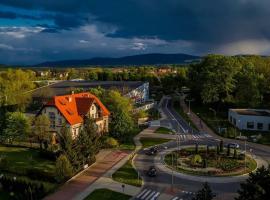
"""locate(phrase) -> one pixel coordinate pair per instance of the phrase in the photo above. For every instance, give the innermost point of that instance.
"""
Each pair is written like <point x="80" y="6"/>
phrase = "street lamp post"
<point x="189" y="100"/>
<point x="172" y="170"/>
<point x="245" y="155"/>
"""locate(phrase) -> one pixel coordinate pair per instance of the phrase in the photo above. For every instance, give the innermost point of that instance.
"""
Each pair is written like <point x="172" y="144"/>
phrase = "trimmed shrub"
<point x="111" y="142"/>
<point x="221" y="146"/>
<point x="196" y="159"/>
<point x="63" y="168"/>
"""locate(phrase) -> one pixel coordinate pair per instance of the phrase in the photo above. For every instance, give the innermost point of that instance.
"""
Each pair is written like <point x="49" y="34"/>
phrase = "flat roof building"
<point x="250" y="119"/>
<point x="136" y="90"/>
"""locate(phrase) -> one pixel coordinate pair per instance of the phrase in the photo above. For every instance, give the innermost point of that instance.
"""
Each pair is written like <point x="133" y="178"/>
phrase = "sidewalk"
<point x="106" y="160"/>
<point x="106" y="181"/>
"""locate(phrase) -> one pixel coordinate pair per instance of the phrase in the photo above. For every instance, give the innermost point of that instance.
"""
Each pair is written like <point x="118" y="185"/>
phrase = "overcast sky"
<point x="33" y="31"/>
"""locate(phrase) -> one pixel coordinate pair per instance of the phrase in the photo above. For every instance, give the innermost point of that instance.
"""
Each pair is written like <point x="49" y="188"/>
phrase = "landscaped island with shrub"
<point x="210" y="161"/>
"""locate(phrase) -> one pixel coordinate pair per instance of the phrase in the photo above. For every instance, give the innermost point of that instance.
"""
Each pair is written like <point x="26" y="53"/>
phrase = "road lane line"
<point x="173" y="116"/>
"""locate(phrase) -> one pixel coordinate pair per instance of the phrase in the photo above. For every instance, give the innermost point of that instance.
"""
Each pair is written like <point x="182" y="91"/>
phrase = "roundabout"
<point x="204" y="165"/>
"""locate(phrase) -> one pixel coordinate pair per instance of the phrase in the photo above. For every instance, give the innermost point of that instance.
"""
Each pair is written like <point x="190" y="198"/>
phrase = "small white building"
<point x="250" y="119"/>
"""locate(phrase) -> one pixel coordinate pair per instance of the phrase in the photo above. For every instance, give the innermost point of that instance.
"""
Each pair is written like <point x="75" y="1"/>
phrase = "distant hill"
<point x="143" y="59"/>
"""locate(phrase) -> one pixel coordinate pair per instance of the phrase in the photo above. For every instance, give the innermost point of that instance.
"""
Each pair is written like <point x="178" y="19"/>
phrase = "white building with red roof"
<point x="72" y="110"/>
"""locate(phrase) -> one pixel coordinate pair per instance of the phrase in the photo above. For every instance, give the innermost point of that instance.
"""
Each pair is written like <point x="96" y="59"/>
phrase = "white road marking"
<point x="155" y="197"/>
<point x="175" y="198"/>
<point x="150" y="195"/>
<point x="138" y="196"/>
<point x="173" y="116"/>
<point x="146" y="194"/>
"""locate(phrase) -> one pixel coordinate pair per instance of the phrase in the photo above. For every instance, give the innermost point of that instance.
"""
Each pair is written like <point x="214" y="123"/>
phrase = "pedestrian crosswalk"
<point x="151" y="194"/>
<point x="184" y="137"/>
<point x="148" y="194"/>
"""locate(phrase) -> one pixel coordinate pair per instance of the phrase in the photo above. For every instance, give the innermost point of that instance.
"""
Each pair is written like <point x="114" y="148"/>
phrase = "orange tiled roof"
<point x="75" y="106"/>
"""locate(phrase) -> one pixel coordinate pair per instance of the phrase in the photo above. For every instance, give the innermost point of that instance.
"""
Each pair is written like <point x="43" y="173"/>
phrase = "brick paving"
<point x="105" y="161"/>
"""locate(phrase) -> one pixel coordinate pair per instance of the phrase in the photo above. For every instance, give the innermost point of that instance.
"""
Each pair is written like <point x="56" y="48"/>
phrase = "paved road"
<point x="180" y="188"/>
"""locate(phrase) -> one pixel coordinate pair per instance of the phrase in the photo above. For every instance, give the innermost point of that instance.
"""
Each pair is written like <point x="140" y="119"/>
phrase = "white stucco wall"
<point x="240" y="121"/>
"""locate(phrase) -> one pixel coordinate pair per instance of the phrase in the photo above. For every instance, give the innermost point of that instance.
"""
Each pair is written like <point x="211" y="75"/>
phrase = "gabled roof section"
<point x="75" y="106"/>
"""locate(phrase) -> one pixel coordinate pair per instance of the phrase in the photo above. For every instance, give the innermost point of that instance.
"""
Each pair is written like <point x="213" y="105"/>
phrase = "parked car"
<point x="234" y="145"/>
<point x="152" y="172"/>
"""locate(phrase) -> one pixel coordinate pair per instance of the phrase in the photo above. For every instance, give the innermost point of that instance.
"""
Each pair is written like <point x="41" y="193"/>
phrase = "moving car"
<point x="151" y="151"/>
<point x="152" y="172"/>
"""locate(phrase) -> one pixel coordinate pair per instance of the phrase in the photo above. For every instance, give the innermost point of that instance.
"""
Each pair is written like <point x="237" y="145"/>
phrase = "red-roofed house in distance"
<point x="72" y="110"/>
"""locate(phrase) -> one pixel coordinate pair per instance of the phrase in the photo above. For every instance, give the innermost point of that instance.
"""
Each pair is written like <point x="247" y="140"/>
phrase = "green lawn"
<point x="148" y="142"/>
<point x="4" y="196"/>
<point x="127" y="174"/>
<point x="163" y="130"/>
<point x="105" y="194"/>
<point x="20" y="159"/>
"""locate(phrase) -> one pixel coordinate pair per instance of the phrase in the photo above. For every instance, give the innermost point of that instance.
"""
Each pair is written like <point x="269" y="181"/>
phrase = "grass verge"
<point x="106" y="194"/>
<point x="128" y="175"/>
<point x="148" y="142"/>
<point x="163" y="130"/>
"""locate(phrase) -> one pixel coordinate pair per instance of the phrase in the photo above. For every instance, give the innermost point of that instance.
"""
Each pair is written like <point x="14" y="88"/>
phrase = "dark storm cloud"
<point x="60" y="29"/>
<point x="203" y="21"/>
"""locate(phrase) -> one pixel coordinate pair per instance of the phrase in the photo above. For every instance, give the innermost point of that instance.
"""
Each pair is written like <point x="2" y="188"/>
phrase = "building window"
<point x="60" y="121"/>
<point x="259" y="126"/>
<point x="52" y="119"/>
<point x="250" y="125"/>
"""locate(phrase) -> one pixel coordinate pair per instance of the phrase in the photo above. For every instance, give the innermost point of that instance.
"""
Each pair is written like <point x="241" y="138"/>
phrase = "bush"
<point x="48" y="155"/>
<point x="63" y="168"/>
<point x="3" y="162"/>
<point x="22" y="188"/>
<point x="111" y="142"/>
<point x="196" y="159"/>
<point x="37" y="174"/>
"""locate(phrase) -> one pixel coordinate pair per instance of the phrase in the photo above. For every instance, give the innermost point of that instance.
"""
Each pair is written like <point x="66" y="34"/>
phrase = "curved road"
<point x="181" y="188"/>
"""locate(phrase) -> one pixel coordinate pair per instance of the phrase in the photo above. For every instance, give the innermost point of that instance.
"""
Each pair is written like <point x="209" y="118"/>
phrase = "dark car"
<point x="152" y="172"/>
<point x="151" y="151"/>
